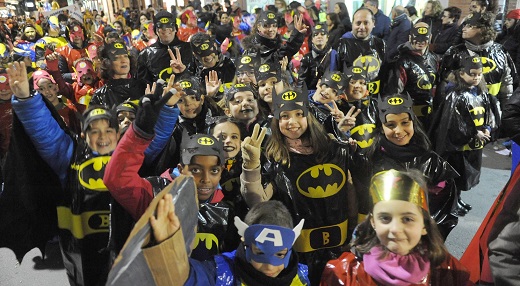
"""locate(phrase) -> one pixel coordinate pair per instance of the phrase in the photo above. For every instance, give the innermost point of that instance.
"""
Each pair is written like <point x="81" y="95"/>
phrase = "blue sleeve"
<point x="53" y="144"/>
<point x="163" y="131"/>
<point x="202" y="273"/>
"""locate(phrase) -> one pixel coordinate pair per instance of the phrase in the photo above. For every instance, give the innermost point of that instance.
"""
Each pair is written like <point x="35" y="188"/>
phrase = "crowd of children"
<point x="278" y="124"/>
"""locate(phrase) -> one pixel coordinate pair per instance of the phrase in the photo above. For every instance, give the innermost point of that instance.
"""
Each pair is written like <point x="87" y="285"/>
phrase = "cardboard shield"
<point x="130" y="267"/>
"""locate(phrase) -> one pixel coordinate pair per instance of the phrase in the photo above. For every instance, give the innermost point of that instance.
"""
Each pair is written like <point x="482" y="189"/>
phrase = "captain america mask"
<point x="269" y="240"/>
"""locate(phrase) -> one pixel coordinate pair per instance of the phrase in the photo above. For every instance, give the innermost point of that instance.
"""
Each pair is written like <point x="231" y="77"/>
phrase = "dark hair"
<point x="224" y="119"/>
<point x="278" y="151"/>
<point x="487" y="32"/>
<point x="107" y="71"/>
<point x="488" y="4"/>
<point x="269" y="212"/>
<point x="411" y="10"/>
<point x="199" y="38"/>
<point x="461" y="85"/>
<point x="24" y="37"/>
<point x="364" y="9"/>
<point x="343" y="11"/>
<point x="334" y="18"/>
<point x="454" y="13"/>
<point x="419" y="137"/>
<point x="62" y="17"/>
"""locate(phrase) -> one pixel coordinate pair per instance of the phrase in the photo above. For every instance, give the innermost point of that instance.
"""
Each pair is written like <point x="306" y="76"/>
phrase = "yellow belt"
<point x="321" y="237"/>
<point x="418" y="110"/>
<point x="494" y="88"/>
<point x="81" y="225"/>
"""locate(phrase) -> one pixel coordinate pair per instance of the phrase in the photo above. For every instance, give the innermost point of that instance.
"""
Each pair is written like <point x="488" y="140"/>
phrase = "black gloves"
<point x="149" y="110"/>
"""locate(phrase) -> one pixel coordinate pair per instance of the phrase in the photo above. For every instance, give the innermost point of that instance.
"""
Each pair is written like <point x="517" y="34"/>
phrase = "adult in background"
<point x="510" y="36"/>
<point x="153" y="62"/>
<point x="335" y="28"/>
<point x="412" y="14"/>
<point x="432" y="15"/>
<point x="499" y="69"/>
<point x="382" y="22"/>
<point x="398" y="32"/>
<point x="475" y="6"/>
<point x="341" y="10"/>
<point x="362" y="49"/>
<point x="441" y="41"/>
<point x="414" y="72"/>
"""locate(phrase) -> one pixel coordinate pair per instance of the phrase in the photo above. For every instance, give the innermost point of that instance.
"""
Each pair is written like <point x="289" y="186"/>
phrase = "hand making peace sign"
<point x="345" y="122"/>
<point x="176" y="61"/>
<point x="252" y="147"/>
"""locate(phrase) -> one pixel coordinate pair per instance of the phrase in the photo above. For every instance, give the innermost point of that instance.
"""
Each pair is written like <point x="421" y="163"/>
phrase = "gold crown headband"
<point x="395" y="185"/>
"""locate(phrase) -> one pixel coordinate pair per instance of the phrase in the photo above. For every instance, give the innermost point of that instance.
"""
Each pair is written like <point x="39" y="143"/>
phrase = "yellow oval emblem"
<point x="2" y="79"/>
<point x="357" y="70"/>
<point x="118" y="45"/>
<point x="311" y="184"/>
<point x="185" y="84"/>
<point x="240" y="85"/>
<point x="76" y="28"/>
<point x="271" y="16"/>
<point x="206" y="141"/>
<point x="289" y="95"/>
<point x="264" y="68"/>
<point x="204" y="47"/>
<point x="336" y="77"/>
<point x="395" y="101"/>
<point x="422" y="30"/>
<point x="82" y="64"/>
<point x="164" y="20"/>
<point x="97" y="111"/>
<point x="246" y="60"/>
<point x="127" y="105"/>
<point x="476" y="60"/>
<point x="317" y="27"/>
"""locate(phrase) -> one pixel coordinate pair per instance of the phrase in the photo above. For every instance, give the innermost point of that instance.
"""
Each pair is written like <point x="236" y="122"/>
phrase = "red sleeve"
<point x="65" y="88"/>
<point x="346" y="270"/>
<point x="121" y="174"/>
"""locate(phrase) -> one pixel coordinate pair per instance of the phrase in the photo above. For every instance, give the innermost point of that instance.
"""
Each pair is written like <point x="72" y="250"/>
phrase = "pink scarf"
<point x="395" y="269"/>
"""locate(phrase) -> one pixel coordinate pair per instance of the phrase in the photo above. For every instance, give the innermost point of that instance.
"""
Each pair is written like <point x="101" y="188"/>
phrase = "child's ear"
<point x="424" y="231"/>
<point x="372" y="222"/>
<point x="82" y="135"/>
<point x="227" y="112"/>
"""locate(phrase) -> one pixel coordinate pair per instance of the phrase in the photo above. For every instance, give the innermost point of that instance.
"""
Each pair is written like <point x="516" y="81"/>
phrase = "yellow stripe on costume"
<point x="83" y="224"/>
<point x="494" y="88"/>
<point x="321" y="237"/>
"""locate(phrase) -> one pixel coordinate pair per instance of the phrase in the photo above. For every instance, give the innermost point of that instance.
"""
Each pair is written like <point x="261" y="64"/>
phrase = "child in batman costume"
<point x="400" y="143"/>
<point x="308" y="172"/>
<point x="228" y="131"/>
<point x="398" y="243"/>
<point x="201" y="155"/>
<point x="264" y="257"/>
<point x="463" y="124"/>
<point x="83" y="207"/>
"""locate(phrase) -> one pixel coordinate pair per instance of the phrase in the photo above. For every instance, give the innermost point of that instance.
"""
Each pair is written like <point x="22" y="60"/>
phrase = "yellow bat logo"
<point x="118" y="45"/>
<point x="422" y="30"/>
<point x="271" y="16"/>
<point x="395" y="101"/>
<point x="164" y="20"/>
<point x="336" y="77"/>
<point x="246" y="60"/>
<point x="264" y="68"/>
<point x="363" y="134"/>
<point x="357" y="70"/>
<point x="206" y="141"/>
<point x="97" y="111"/>
<point x="185" y="84"/>
<point x="289" y="95"/>
<point x="240" y="85"/>
<point x="369" y="63"/>
<point x="330" y="173"/>
<point x="90" y="173"/>
<point x="208" y="238"/>
<point x="488" y="65"/>
<point x="204" y="47"/>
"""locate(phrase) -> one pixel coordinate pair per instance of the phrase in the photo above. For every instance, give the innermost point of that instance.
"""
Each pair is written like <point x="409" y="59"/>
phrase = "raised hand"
<point x="151" y="105"/>
<point x="165" y="223"/>
<point x="176" y="61"/>
<point x="283" y="63"/>
<point x="51" y="58"/>
<point x="299" y="25"/>
<point x="349" y="120"/>
<point x="252" y="147"/>
<point x="18" y="79"/>
<point x="170" y="87"/>
<point x="212" y="83"/>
